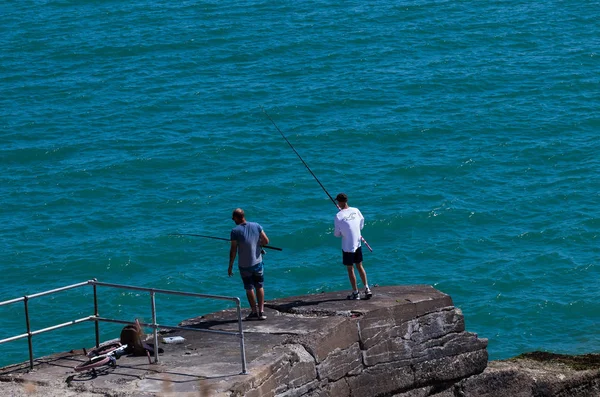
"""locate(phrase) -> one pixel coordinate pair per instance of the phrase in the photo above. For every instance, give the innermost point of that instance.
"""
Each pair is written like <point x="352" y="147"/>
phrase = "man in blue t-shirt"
<point x="247" y="239"/>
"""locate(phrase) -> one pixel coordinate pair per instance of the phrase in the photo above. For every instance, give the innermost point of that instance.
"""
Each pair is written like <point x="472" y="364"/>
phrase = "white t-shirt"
<point x="347" y="224"/>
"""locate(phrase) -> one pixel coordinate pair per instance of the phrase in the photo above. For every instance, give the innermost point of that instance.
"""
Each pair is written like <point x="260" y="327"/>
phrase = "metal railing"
<point x="97" y="319"/>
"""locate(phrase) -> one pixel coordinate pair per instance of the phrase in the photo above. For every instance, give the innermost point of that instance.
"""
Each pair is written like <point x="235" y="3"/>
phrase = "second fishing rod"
<point x="309" y="170"/>
<point x="218" y="238"/>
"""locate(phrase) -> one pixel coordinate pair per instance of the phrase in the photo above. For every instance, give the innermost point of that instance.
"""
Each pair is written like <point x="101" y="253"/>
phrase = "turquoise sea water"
<point x="466" y="132"/>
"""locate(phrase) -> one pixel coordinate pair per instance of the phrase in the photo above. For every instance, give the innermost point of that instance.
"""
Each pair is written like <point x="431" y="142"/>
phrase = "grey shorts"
<point x="252" y="276"/>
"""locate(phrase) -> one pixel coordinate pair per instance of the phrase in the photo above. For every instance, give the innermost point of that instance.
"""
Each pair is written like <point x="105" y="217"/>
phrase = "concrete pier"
<point x="404" y="338"/>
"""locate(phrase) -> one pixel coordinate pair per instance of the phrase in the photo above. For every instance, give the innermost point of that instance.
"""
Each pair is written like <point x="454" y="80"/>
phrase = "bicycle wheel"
<point x="104" y="349"/>
<point x="93" y="362"/>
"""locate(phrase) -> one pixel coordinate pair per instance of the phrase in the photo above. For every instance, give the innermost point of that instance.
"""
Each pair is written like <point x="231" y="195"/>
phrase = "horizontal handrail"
<point x="164" y="291"/>
<point x="52" y="328"/>
<point x="52" y="291"/>
<point x="63" y="325"/>
<point x="8" y="302"/>
<point x="12" y="338"/>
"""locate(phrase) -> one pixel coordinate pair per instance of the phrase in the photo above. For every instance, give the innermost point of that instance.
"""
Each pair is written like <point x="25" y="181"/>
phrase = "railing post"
<point x="242" y="345"/>
<point x="154" y="325"/>
<point x="96" y="324"/>
<point x="29" y="336"/>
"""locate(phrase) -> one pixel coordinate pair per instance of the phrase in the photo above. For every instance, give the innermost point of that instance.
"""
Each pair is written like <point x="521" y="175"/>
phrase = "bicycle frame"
<point x="98" y="360"/>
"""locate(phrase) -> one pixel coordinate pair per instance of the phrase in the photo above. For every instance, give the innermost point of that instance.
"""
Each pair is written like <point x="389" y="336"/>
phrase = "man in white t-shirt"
<point x="347" y="224"/>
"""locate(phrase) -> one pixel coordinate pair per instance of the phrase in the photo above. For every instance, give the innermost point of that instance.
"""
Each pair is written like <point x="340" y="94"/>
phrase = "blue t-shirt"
<point x="247" y="236"/>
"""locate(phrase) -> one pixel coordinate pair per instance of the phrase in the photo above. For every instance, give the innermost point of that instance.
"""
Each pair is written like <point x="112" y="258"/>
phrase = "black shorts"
<point x="350" y="258"/>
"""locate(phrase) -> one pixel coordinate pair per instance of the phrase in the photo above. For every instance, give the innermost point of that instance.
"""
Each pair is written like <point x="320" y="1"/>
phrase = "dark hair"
<point x="342" y="197"/>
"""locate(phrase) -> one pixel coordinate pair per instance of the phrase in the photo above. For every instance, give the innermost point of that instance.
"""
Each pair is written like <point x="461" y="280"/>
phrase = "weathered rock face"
<point x="534" y="374"/>
<point x="402" y="339"/>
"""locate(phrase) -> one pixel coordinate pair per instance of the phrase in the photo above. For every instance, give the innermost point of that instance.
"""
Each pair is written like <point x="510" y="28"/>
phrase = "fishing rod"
<point x="219" y="238"/>
<point x="312" y="173"/>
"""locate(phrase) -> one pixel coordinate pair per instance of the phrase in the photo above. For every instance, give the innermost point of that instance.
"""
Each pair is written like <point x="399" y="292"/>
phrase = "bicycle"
<point x="102" y="355"/>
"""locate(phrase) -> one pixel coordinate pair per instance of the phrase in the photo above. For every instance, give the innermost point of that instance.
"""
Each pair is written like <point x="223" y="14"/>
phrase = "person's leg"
<point x="260" y="296"/>
<point x="352" y="277"/>
<point x="362" y="274"/>
<point x="251" y="299"/>
<point x="363" y="277"/>
<point x="347" y="260"/>
<point x="247" y="278"/>
<point x="258" y="282"/>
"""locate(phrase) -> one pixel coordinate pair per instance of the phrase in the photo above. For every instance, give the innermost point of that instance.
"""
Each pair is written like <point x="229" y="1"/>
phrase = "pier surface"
<point x="320" y="344"/>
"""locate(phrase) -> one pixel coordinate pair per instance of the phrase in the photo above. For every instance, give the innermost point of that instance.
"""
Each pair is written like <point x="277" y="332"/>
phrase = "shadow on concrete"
<point x="288" y="306"/>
